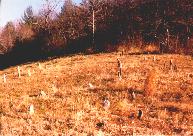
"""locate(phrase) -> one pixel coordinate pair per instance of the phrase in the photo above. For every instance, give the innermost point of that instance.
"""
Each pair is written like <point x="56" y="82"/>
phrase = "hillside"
<point x="68" y="95"/>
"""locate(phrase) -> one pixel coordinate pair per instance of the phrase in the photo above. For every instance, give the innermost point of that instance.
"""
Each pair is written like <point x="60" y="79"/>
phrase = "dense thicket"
<point x="100" y="25"/>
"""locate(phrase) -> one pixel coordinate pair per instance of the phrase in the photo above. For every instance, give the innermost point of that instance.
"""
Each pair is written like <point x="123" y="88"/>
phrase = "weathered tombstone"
<point x="154" y="58"/>
<point x="91" y="86"/>
<point x="39" y="65"/>
<point x="140" y="114"/>
<point x="4" y="78"/>
<point x="145" y="58"/>
<point x="133" y="95"/>
<point x="31" y="109"/>
<point x="18" y="70"/>
<point x="42" y="93"/>
<point x="29" y="72"/>
<point x="119" y="69"/>
<point x="106" y="103"/>
<point x="172" y="65"/>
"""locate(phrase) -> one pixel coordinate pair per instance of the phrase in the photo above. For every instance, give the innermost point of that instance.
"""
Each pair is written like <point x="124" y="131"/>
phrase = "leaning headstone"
<point x="91" y="86"/>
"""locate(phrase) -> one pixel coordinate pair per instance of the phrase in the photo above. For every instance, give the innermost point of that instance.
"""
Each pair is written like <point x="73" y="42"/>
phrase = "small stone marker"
<point x="42" y="93"/>
<point x="91" y="86"/>
<point x="4" y="78"/>
<point x="39" y="65"/>
<point x="119" y="69"/>
<point x="29" y="72"/>
<point x="31" y="109"/>
<point x="173" y="66"/>
<point x="18" y="70"/>
<point x="154" y="58"/>
<point x="140" y="114"/>
<point x="106" y="103"/>
<point x="133" y="95"/>
<point x="145" y="58"/>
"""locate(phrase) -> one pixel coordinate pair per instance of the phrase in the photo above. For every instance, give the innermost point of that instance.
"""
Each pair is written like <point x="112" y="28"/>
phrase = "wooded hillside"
<point x="157" y="26"/>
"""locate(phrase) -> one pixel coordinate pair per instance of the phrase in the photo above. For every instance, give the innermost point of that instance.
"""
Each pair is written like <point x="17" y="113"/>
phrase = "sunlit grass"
<point x="70" y="106"/>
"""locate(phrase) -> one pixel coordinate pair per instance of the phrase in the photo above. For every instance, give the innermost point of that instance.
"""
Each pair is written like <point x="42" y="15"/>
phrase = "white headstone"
<point x="18" y="70"/>
<point x="31" y="109"/>
<point x="39" y="65"/>
<point x="106" y="104"/>
<point x="42" y="93"/>
<point x="91" y="86"/>
<point x="29" y="72"/>
<point x="4" y="78"/>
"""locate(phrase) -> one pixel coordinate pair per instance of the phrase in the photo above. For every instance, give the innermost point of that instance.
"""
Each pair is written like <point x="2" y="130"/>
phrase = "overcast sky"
<point x="12" y="10"/>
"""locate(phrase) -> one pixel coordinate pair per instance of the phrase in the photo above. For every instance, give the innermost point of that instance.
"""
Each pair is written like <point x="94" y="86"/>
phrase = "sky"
<point x="13" y="10"/>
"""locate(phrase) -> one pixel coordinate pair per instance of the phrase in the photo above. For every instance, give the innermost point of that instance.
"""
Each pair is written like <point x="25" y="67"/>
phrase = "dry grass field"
<point x="83" y="95"/>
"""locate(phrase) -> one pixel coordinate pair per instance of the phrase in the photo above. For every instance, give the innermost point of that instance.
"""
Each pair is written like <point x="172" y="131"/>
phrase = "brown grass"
<point x="71" y="107"/>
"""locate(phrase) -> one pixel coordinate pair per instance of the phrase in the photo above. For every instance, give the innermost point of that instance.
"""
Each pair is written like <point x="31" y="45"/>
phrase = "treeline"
<point x="163" y="26"/>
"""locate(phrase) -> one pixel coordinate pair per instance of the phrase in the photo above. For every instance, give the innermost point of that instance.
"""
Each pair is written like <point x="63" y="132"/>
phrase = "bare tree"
<point x="8" y="37"/>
